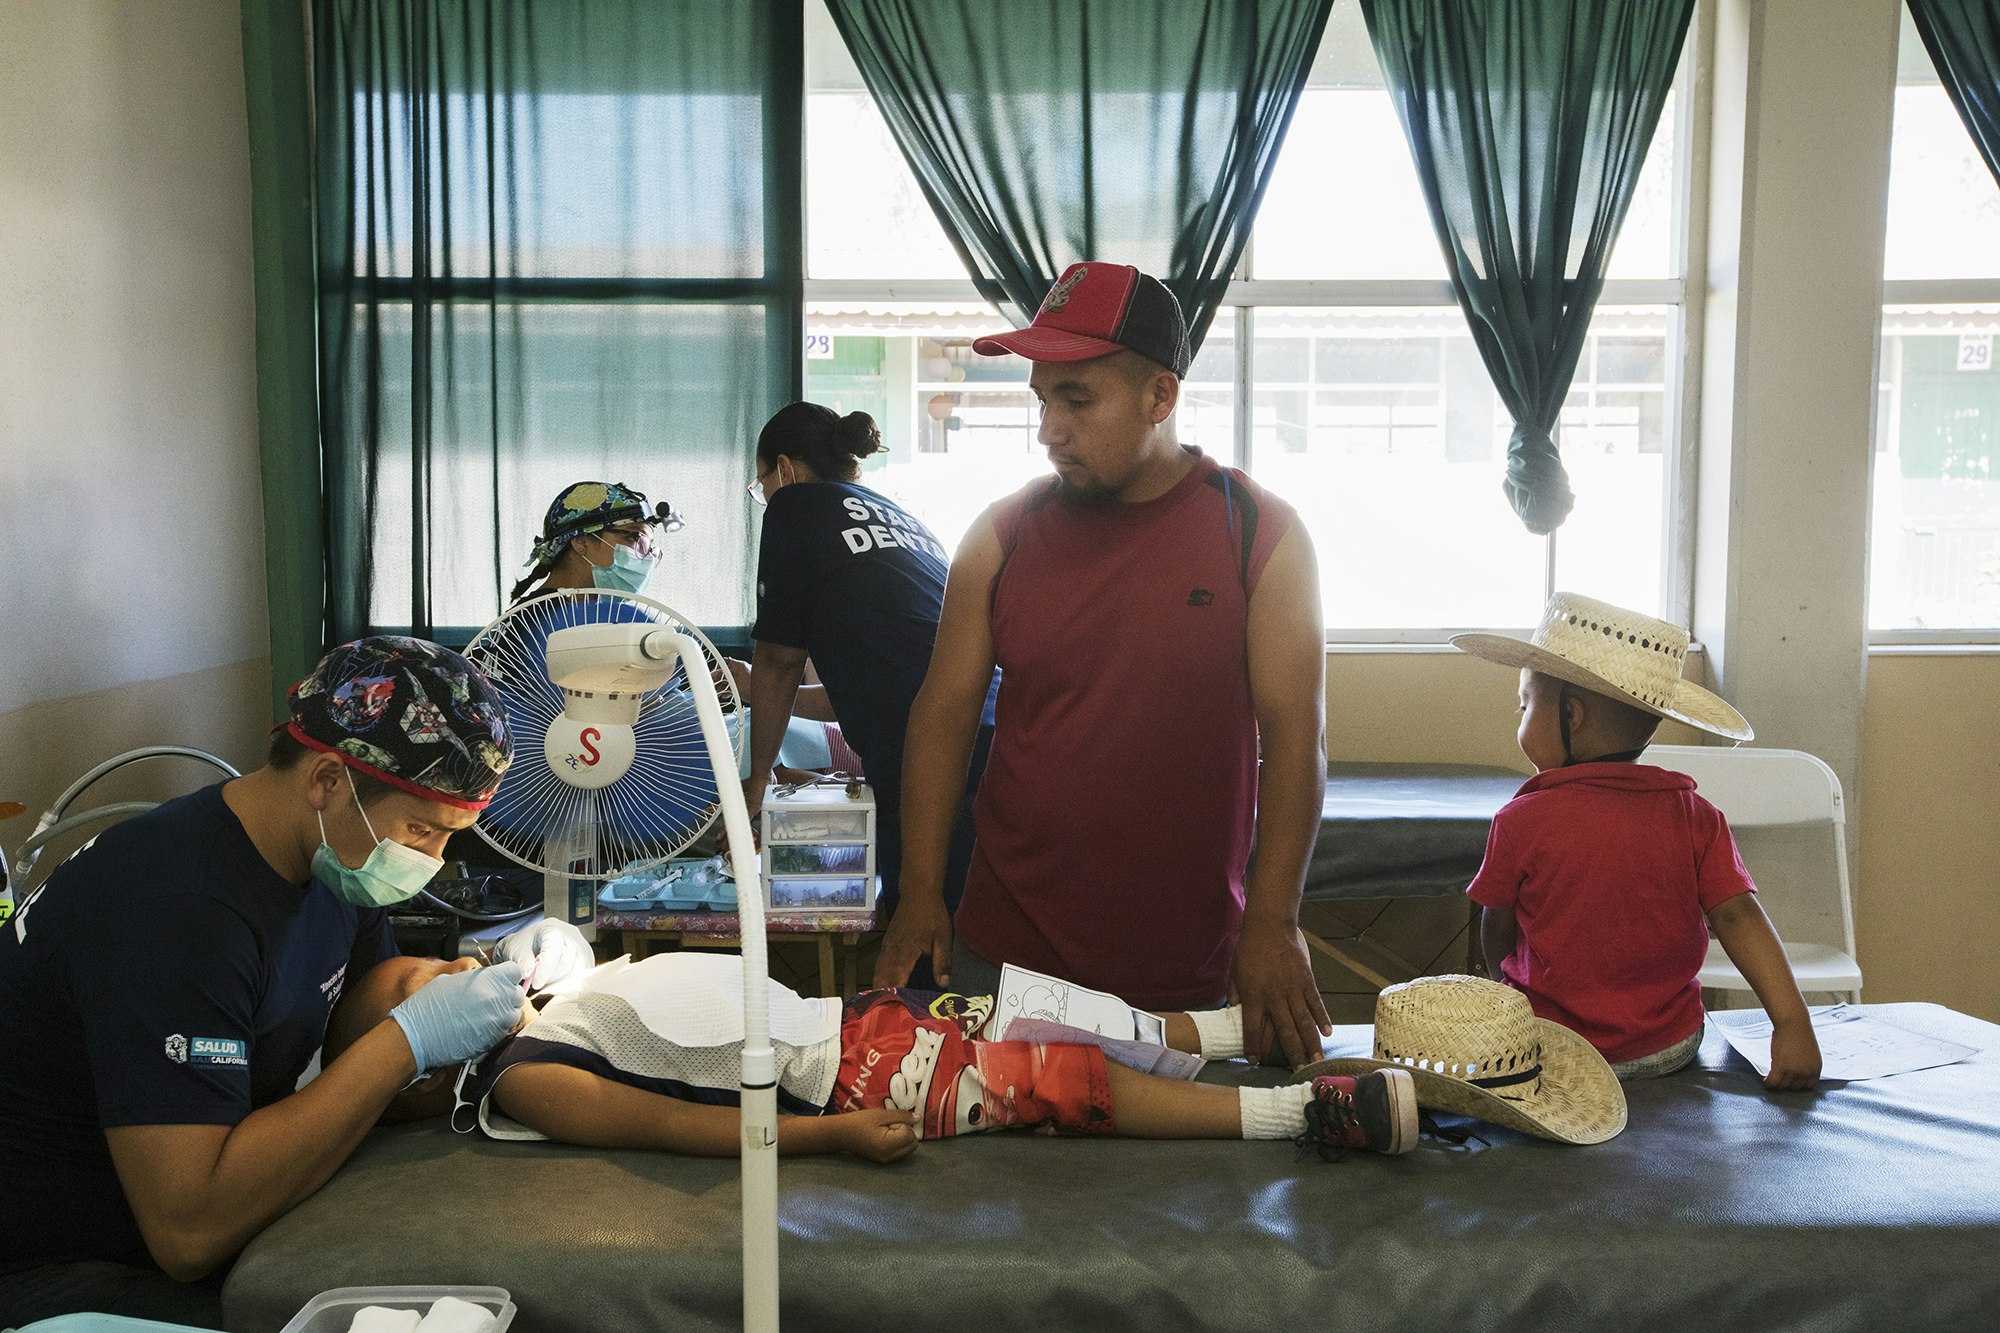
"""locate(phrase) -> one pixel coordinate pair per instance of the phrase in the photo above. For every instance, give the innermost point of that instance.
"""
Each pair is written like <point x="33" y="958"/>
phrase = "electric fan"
<point x="622" y="758"/>
<point x="623" y="778"/>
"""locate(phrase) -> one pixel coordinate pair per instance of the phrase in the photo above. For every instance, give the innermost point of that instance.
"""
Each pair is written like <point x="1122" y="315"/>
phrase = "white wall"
<point x="131" y="522"/>
<point x="1799" y="176"/>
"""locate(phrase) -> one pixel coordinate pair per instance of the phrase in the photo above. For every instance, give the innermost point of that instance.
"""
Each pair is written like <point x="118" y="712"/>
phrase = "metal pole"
<point x="759" y="1082"/>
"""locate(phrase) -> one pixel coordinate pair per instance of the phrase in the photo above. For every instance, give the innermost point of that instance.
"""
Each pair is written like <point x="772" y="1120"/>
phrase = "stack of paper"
<point x="1852" y="1044"/>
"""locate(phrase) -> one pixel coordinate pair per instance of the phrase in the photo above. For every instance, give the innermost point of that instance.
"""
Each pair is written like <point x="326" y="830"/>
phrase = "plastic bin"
<point x="105" y="1323"/>
<point x="810" y="825"/>
<point x="819" y="858"/>
<point x="822" y="893"/>
<point x="332" y="1311"/>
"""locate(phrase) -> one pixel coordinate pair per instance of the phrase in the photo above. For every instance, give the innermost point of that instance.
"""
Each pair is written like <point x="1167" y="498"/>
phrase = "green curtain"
<point x="277" y="84"/>
<point x="1963" y="37"/>
<point x="1529" y="121"/>
<point x="1048" y="131"/>
<point x="558" y="240"/>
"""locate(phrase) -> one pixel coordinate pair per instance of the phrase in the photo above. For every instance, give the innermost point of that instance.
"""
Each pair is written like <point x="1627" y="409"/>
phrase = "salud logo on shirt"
<point x="219" y="1051"/>
<point x="177" y="1049"/>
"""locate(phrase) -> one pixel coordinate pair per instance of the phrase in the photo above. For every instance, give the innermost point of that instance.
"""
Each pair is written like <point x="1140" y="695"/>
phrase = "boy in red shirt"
<point x="1604" y="877"/>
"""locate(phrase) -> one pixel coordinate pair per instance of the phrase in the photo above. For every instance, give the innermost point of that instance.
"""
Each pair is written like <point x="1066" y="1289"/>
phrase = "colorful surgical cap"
<point x="592" y="506"/>
<point x="419" y="717"/>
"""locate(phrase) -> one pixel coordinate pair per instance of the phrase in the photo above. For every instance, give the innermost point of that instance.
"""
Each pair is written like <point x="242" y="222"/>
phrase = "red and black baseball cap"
<point x="1096" y="309"/>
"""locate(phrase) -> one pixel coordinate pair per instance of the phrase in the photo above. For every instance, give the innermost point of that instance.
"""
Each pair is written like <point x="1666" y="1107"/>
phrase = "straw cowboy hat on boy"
<point x="1613" y="652"/>
<point x="1474" y="1047"/>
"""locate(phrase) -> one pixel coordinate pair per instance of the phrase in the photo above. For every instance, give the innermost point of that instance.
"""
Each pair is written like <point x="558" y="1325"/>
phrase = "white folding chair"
<point x="1785" y="809"/>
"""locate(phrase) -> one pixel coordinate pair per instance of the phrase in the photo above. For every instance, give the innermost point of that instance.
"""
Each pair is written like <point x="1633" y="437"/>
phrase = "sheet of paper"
<point x="1853" y="1044"/>
<point x="1027" y="994"/>
<point x="1139" y="1055"/>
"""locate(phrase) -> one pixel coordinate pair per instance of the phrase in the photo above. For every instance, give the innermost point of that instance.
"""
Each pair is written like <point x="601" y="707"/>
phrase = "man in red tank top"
<point x="1156" y="619"/>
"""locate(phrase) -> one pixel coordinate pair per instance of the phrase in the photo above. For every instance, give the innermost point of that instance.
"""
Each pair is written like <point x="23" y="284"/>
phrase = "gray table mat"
<point x="1867" y="1206"/>
<point x="1404" y="830"/>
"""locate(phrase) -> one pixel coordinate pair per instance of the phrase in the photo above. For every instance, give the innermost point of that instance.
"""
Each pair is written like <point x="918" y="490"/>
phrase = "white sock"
<point x="1220" y="1032"/>
<point x="1274" y="1113"/>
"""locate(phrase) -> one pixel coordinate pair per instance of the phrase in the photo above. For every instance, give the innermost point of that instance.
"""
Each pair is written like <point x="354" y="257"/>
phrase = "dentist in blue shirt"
<point x="163" y="997"/>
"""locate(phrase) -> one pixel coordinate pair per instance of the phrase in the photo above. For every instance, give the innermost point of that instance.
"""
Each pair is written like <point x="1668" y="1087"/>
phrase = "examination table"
<point x="1869" y="1205"/>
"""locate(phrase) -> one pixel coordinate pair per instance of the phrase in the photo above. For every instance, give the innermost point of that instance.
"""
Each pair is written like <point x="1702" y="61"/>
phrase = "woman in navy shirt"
<point x="850" y="580"/>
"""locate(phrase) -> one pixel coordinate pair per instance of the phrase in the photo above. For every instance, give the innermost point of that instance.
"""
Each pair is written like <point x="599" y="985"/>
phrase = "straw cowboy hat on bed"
<point x="1474" y="1047"/>
<point x="1615" y="652"/>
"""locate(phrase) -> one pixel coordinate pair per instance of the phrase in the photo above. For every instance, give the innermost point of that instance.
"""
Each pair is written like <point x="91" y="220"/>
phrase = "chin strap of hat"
<point x="1562" y="720"/>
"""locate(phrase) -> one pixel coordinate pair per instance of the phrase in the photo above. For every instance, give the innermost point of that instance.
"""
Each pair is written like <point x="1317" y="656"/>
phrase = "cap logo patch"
<point x="1058" y="296"/>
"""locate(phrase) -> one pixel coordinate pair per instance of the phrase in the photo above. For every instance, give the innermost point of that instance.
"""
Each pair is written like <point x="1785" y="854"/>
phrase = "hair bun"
<point x="858" y="434"/>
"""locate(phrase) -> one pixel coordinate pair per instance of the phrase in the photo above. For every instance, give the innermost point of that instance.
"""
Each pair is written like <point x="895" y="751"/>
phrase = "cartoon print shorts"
<point x="914" y="1050"/>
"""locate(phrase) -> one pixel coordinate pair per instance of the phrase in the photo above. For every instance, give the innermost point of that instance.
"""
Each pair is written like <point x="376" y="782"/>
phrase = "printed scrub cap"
<point x="419" y="717"/>
<point x="591" y="506"/>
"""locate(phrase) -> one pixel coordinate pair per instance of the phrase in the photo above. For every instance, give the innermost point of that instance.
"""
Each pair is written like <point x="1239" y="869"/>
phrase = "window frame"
<point x="1919" y="292"/>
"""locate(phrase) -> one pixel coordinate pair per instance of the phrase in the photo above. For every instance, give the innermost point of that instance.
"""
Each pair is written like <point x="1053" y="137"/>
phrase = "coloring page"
<point x="1852" y="1044"/>
<point x="1027" y="994"/>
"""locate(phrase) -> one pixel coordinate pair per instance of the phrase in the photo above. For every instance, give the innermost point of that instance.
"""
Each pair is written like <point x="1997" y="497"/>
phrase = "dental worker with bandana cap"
<point x="597" y="534"/>
<point x="163" y="996"/>
<point x="604" y="534"/>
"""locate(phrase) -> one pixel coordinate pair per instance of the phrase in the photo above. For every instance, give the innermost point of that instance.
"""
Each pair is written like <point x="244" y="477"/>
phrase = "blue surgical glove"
<point x="461" y="1015"/>
<point x="552" y="952"/>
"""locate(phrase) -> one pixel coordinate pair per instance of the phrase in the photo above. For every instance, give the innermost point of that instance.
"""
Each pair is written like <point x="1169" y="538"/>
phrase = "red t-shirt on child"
<point x="1610" y="868"/>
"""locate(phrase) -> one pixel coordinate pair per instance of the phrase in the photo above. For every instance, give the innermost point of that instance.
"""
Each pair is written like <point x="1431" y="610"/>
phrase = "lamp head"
<point x="604" y="672"/>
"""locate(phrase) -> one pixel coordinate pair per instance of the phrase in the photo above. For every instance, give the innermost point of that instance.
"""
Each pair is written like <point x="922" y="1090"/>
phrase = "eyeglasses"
<point x="756" y="488"/>
<point x="639" y="540"/>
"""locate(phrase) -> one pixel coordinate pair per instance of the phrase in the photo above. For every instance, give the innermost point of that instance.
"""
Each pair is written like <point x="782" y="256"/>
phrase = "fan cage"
<point x="651" y="814"/>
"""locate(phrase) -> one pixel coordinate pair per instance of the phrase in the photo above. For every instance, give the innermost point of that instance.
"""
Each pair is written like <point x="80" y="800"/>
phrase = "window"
<point x="546" y="254"/>
<point x="1934" y="549"/>
<point x="1368" y="408"/>
<point x="1382" y="427"/>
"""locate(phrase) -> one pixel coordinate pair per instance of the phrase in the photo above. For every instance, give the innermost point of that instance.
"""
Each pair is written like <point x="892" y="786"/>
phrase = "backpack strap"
<point x="1240" y="516"/>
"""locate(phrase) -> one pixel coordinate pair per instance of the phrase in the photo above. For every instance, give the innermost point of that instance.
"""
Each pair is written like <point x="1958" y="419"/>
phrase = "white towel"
<point x="452" y="1315"/>
<point x="381" y="1319"/>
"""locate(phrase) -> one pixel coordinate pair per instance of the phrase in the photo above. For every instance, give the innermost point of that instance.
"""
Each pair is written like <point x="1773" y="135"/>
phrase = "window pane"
<point x="1345" y="145"/>
<point x="1934" y="554"/>
<point x="1614" y="442"/>
<point x="960" y="428"/>
<point x="586" y="214"/>
<point x="573" y="392"/>
<point x="1344" y="202"/>
<point x="1645" y="245"/>
<point x="1944" y="209"/>
<point x="1382" y="428"/>
<point x="865" y="215"/>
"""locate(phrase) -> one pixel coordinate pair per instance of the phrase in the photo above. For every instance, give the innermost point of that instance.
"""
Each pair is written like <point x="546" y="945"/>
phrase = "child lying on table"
<point x="649" y="1055"/>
